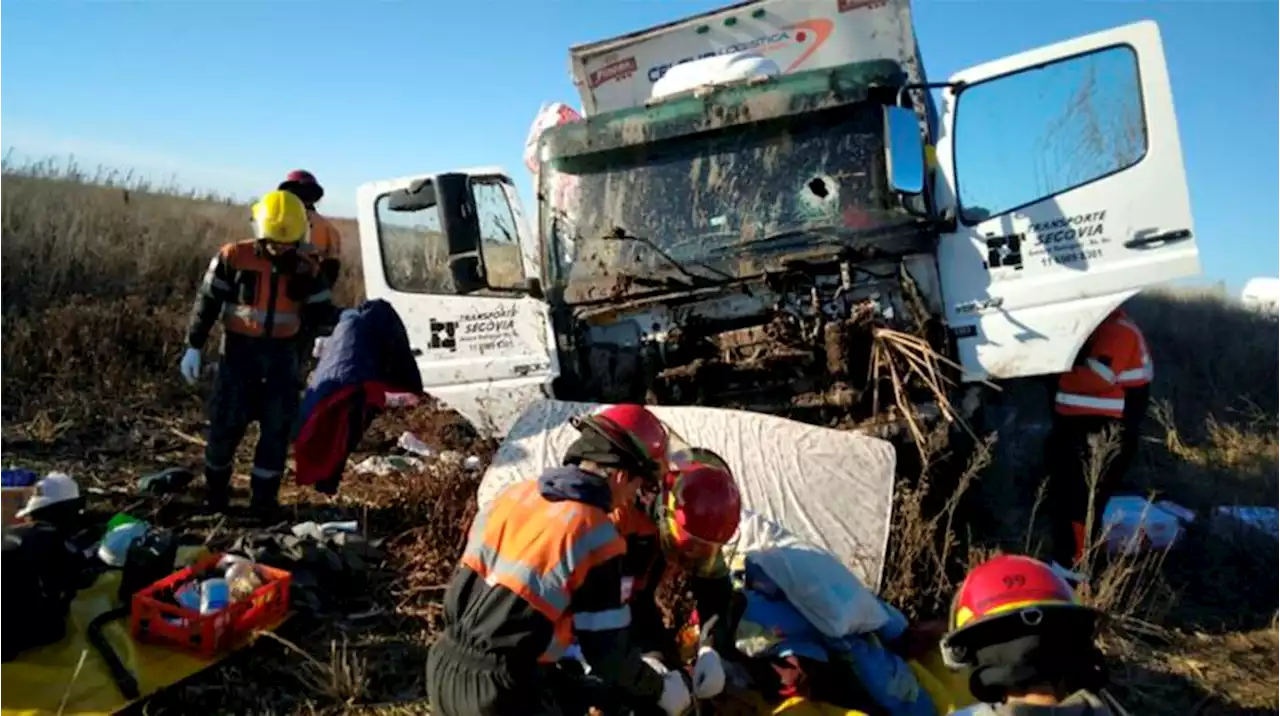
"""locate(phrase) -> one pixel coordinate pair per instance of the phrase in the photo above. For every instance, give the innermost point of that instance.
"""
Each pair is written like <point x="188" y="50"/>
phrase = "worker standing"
<point x="1107" y="389"/>
<point x="543" y="567"/>
<point x="265" y="291"/>
<point x="1016" y="624"/>
<point x="324" y="243"/>
<point x="325" y="239"/>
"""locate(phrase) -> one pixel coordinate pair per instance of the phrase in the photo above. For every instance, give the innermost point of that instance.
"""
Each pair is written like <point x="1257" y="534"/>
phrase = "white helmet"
<point x="53" y="488"/>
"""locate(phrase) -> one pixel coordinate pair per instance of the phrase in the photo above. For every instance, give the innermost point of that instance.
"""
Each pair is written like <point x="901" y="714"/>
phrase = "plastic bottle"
<point x="214" y="595"/>
<point x="243" y="580"/>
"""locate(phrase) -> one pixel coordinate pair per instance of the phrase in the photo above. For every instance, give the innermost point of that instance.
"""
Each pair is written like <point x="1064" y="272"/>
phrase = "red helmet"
<point x="702" y="504"/>
<point x="1005" y="595"/>
<point x="303" y="184"/>
<point x="634" y="431"/>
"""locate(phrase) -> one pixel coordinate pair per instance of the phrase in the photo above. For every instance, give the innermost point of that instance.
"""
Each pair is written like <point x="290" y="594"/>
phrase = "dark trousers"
<point x="1068" y="465"/>
<point x="463" y="683"/>
<point x="257" y="381"/>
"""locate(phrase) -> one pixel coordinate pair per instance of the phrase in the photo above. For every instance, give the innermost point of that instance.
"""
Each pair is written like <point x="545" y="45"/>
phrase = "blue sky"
<point x="230" y="95"/>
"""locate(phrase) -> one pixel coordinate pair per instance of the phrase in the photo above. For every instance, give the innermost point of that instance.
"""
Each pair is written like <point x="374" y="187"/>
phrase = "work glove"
<point x="190" y="365"/>
<point x="676" y="697"/>
<point x="708" y="674"/>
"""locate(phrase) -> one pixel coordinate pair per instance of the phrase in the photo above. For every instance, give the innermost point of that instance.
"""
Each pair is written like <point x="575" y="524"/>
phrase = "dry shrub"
<point x="100" y="274"/>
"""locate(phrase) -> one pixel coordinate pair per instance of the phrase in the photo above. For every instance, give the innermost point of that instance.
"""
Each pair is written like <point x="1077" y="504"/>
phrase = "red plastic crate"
<point x="155" y="620"/>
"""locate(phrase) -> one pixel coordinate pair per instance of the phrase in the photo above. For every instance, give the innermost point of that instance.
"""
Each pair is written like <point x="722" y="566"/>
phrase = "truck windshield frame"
<point x="714" y="201"/>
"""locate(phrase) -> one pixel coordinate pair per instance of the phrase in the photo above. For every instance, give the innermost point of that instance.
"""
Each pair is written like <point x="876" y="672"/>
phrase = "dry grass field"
<point x="98" y="276"/>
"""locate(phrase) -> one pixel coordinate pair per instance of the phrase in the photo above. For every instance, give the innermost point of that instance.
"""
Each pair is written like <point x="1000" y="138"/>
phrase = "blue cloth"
<point x="780" y="630"/>
<point x="18" y="478"/>
<point x="372" y="345"/>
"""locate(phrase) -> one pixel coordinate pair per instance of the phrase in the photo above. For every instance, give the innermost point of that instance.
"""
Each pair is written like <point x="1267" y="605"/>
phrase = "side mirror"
<point x="417" y="197"/>
<point x="534" y="288"/>
<point x="904" y="151"/>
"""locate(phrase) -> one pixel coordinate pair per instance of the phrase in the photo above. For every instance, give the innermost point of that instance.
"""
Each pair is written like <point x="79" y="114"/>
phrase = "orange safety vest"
<point x="542" y="551"/>
<point x="261" y="305"/>
<point x="1117" y="358"/>
<point x="325" y="239"/>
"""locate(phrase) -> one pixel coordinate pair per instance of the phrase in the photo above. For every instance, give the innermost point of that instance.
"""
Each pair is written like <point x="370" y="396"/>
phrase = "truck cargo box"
<point x="795" y="34"/>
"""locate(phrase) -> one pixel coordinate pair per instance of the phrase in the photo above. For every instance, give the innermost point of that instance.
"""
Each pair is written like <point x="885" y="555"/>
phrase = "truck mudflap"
<point x="832" y="488"/>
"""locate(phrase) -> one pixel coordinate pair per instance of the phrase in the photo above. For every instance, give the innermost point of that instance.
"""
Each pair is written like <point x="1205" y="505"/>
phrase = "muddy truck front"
<point x="749" y="232"/>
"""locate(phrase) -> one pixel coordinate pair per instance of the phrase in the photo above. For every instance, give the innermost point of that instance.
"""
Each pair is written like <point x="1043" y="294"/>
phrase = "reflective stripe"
<point x="265" y="473"/>
<point x="1103" y="372"/>
<point x="324" y="295"/>
<point x="608" y="620"/>
<point x="248" y="313"/>
<point x="1088" y="401"/>
<point x="1145" y="373"/>
<point x="552" y="586"/>
<point x="1136" y="376"/>
<point x="219" y="284"/>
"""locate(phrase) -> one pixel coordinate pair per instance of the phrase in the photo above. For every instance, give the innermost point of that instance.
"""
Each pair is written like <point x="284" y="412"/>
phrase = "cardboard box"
<point x="12" y="500"/>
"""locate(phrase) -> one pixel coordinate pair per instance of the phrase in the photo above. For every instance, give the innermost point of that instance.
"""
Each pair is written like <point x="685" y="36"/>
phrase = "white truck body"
<point x="1262" y="294"/>
<point x="795" y="35"/>
<point x="1020" y="289"/>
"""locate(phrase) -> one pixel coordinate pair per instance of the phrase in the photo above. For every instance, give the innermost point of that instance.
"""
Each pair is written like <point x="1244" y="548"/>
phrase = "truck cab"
<point x="739" y="243"/>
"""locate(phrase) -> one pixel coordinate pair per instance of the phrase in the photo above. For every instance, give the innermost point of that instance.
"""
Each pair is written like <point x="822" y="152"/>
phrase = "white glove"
<point x="675" y="699"/>
<point x="317" y="348"/>
<point x="190" y="366"/>
<point x="708" y="674"/>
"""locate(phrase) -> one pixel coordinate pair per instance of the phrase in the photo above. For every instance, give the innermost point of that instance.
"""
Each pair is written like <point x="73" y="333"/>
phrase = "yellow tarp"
<point x="37" y="682"/>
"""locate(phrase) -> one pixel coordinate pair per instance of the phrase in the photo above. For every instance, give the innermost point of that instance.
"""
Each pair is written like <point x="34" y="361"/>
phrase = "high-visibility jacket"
<point x="256" y="295"/>
<point x="542" y="551"/>
<point x="1115" y="358"/>
<point x="325" y="239"/>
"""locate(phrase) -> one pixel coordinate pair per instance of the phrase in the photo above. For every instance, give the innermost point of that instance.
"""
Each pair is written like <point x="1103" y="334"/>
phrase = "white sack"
<point x="822" y="589"/>
<point x="831" y="488"/>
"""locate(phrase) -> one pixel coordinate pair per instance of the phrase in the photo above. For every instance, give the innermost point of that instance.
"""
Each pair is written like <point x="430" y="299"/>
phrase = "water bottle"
<point x="214" y="595"/>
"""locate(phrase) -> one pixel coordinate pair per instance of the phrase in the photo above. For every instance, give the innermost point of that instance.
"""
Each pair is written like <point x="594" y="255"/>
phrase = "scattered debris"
<point x="412" y="443"/>
<point x="383" y="465"/>
<point x="175" y="479"/>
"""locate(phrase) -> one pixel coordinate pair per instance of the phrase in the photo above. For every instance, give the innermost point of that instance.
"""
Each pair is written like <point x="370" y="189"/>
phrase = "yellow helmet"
<point x="281" y="217"/>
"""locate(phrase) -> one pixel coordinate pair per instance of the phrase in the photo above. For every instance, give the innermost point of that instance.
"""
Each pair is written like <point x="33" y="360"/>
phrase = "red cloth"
<point x="326" y="439"/>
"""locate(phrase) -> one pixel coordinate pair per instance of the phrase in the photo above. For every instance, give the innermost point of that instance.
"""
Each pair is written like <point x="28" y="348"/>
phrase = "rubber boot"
<point x="264" y="500"/>
<point x="217" y="489"/>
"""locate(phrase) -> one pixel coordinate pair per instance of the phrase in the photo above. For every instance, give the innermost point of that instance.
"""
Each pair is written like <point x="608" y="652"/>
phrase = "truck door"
<point x="485" y="353"/>
<point x="1063" y="170"/>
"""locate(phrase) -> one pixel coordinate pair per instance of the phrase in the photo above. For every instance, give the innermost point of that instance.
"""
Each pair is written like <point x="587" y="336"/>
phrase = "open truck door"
<point x="1061" y="192"/>
<point x="452" y="254"/>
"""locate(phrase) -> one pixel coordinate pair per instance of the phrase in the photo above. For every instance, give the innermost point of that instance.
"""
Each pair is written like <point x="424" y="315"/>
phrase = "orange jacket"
<point x="325" y="238"/>
<point x="542" y="551"/>
<point x="256" y="296"/>
<point x="1115" y="358"/>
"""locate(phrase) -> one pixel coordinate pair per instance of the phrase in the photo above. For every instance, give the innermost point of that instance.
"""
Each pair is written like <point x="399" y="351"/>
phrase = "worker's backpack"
<point x="40" y="573"/>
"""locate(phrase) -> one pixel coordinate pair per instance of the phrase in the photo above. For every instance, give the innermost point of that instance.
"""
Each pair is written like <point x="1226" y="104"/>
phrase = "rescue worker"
<point x="325" y="239"/>
<point x="325" y="243"/>
<point x="543" y="567"/>
<point x="265" y="291"/>
<point x="1107" y="389"/>
<point x="1029" y="643"/>
<point x="683" y="528"/>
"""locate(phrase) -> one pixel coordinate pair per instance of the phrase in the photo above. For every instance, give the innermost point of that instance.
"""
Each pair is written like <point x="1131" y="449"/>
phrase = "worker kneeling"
<point x="544" y="567"/>
<point x="1030" y="644"/>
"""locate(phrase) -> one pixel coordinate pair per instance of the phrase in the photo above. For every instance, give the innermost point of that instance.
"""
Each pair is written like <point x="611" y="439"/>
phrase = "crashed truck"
<point x="746" y="200"/>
